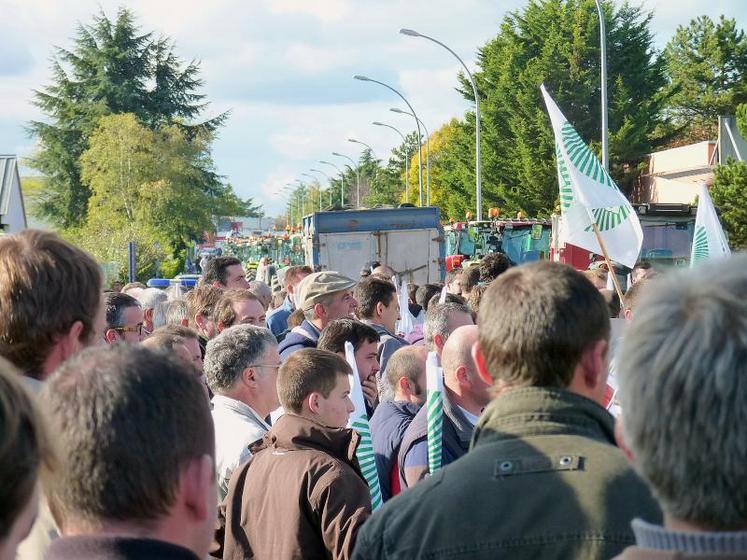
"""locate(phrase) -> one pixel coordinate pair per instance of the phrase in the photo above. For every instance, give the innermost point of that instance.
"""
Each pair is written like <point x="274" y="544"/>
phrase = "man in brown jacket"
<point x="302" y="494"/>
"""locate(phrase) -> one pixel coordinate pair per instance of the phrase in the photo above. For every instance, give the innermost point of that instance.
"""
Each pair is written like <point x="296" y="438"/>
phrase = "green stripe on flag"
<point x="582" y="157"/>
<point x="700" y="245"/>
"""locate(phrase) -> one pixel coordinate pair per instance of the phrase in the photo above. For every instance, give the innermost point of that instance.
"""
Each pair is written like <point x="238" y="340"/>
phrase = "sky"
<point x="284" y="69"/>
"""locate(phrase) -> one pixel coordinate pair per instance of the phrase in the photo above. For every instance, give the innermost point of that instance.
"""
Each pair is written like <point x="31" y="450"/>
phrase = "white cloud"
<point x="323" y="10"/>
<point x="311" y="59"/>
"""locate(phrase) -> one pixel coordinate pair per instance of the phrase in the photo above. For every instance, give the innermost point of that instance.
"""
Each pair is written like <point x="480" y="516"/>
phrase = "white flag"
<point x="587" y="192"/>
<point x="709" y="240"/>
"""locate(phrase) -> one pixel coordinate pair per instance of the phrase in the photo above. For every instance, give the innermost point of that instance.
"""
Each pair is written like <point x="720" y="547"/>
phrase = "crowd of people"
<point x="142" y="424"/>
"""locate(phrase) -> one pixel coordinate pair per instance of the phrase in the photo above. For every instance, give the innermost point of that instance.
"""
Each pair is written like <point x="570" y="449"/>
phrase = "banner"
<point x="709" y="241"/>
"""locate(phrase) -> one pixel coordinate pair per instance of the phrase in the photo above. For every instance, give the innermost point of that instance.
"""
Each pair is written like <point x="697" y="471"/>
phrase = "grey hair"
<point x="176" y="311"/>
<point x="150" y="297"/>
<point x="262" y="291"/>
<point x="159" y="313"/>
<point x="437" y="321"/>
<point x="683" y="387"/>
<point x="232" y="351"/>
<point x="310" y="314"/>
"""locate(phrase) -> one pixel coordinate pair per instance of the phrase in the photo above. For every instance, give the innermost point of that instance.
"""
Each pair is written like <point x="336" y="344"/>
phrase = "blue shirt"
<point x="277" y="320"/>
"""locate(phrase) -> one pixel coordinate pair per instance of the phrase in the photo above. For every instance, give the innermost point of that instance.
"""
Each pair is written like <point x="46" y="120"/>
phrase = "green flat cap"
<point x="320" y="284"/>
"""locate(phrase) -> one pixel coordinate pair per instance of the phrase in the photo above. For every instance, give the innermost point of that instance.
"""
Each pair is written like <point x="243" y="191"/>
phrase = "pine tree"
<point x="112" y="68"/>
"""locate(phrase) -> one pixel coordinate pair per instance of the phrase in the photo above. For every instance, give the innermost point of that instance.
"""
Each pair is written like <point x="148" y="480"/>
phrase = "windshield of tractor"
<point x="667" y="241"/>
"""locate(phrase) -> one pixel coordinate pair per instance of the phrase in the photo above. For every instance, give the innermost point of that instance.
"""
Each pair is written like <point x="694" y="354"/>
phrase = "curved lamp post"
<point x="478" y="179"/>
<point x="328" y="179"/>
<point x="417" y="122"/>
<point x="407" y="156"/>
<point x="357" y="178"/>
<point x="342" y="180"/>
<point x="603" y="54"/>
<point x="427" y="154"/>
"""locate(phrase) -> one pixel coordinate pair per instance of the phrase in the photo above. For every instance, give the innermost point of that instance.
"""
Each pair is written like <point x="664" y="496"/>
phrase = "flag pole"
<point x="610" y="268"/>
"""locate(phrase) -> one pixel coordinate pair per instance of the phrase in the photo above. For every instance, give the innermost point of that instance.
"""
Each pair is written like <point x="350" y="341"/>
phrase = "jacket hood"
<point x="294" y="432"/>
<point x="535" y="411"/>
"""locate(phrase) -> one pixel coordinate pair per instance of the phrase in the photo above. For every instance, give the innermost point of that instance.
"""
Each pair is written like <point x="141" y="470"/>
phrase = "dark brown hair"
<point x="307" y="371"/>
<point x="217" y="270"/>
<point x="46" y="285"/>
<point x="536" y="321"/>
<point x="371" y="291"/>
<point x="338" y="332"/>
<point x="128" y="420"/>
<point x="24" y="446"/>
<point x="293" y="272"/>
<point x="470" y="278"/>
<point x="224" y="313"/>
<point x="492" y="266"/>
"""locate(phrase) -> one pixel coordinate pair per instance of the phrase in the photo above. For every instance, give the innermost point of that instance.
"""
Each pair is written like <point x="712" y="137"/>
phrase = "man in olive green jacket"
<point x="543" y="478"/>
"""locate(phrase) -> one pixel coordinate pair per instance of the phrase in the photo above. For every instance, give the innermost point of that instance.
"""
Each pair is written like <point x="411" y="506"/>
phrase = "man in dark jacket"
<point x="302" y="494"/>
<point x="323" y="297"/>
<point x="137" y="471"/>
<point x="378" y="307"/>
<point x="543" y="478"/>
<point x="465" y="396"/>
<point x="405" y="384"/>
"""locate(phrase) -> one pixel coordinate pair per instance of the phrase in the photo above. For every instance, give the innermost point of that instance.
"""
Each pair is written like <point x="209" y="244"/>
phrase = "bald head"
<point x="384" y="270"/>
<point x="458" y="352"/>
<point x="405" y="374"/>
<point x="460" y="374"/>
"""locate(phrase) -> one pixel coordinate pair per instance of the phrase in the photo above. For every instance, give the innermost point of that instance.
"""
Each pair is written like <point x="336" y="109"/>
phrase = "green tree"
<point x="706" y="63"/>
<point x="388" y="188"/>
<point x="557" y="42"/>
<point x="147" y="183"/>
<point x="729" y="194"/>
<point x="113" y="67"/>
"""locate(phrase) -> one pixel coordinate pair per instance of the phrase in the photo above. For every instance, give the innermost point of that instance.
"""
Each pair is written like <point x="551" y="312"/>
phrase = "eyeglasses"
<point x="273" y="366"/>
<point x="137" y="328"/>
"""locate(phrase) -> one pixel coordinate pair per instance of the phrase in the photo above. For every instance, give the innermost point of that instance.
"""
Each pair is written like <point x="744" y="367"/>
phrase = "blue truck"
<point x="409" y="239"/>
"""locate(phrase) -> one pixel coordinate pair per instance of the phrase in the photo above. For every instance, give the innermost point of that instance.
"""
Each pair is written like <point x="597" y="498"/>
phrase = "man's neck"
<point x="465" y="402"/>
<point x="690" y="527"/>
<point x="250" y="401"/>
<point x="319" y="324"/>
<point x="163" y="530"/>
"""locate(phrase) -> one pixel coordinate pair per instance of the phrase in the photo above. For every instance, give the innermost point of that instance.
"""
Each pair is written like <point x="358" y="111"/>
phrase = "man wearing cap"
<point x="323" y="297"/>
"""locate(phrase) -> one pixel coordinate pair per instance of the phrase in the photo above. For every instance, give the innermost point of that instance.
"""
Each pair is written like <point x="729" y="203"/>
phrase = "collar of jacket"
<point x="540" y="411"/>
<point x="380" y="329"/>
<point x="99" y="547"/>
<point x="464" y="427"/>
<point x="307" y="330"/>
<point x="294" y="432"/>
<point x="221" y="402"/>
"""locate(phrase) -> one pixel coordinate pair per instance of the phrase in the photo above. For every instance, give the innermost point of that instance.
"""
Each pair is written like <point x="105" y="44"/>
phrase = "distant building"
<point x="673" y="175"/>
<point x="12" y="210"/>
<point x="242" y="226"/>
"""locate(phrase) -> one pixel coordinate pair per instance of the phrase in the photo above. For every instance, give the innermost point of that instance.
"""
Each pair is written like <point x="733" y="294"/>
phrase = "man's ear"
<point x="404" y="385"/>
<point x="148" y="314"/>
<point x="319" y="310"/>
<point x="198" y="487"/>
<point x="312" y="402"/>
<point x="628" y="314"/>
<point x="199" y="320"/>
<point x="595" y="367"/>
<point x="482" y="368"/>
<point x="70" y="342"/>
<point x="218" y="285"/>
<point x="462" y="376"/>
<point x="379" y="309"/>
<point x="220" y="327"/>
<point x="111" y="336"/>
<point x="438" y="341"/>
<point x="184" y="322"/>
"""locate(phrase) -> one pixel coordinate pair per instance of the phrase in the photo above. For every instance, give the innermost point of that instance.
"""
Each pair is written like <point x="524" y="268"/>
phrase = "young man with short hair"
<point x="302" y="495"/>
<point x="137" y="473"/>
<point x="323" y="297"/>
<point x="238" y="307"/>
<point x="543" y="477"/>
<point x="378" y="307"/>
<point x="365" y="341"/>
<point x="225" y="273"/>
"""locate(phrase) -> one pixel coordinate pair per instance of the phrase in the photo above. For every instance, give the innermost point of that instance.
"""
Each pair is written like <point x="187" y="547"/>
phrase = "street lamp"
<point x="427" y="155"/>
<point x="407" y="156"/>
<point x="603" y="54"/>
<point x="370" y="149"/>
<point x="342" y="179"/>
<point x="328" y="179"/>
<point x="319" y="186"/>
<point x="357" y="178"/>
<point x="478" y="182"/>
<point x="417" y="122"/>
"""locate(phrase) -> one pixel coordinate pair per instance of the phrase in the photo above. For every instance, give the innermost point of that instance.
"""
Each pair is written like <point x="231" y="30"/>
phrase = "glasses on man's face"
<point x="136" y="329"/>
<point x="273" y="366"/>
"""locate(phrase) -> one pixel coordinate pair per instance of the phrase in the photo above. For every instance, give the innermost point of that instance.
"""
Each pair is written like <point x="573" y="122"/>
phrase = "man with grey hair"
<point x="148" y="299"/>
<point x="441" y="320"/>
<point x="177" y="312"/>
<point x="241" y="366"/>
<point x="684" y="401"/>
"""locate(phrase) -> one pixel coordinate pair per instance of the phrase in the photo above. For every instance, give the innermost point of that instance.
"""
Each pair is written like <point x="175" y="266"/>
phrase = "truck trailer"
<point x="409" y="239"/>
